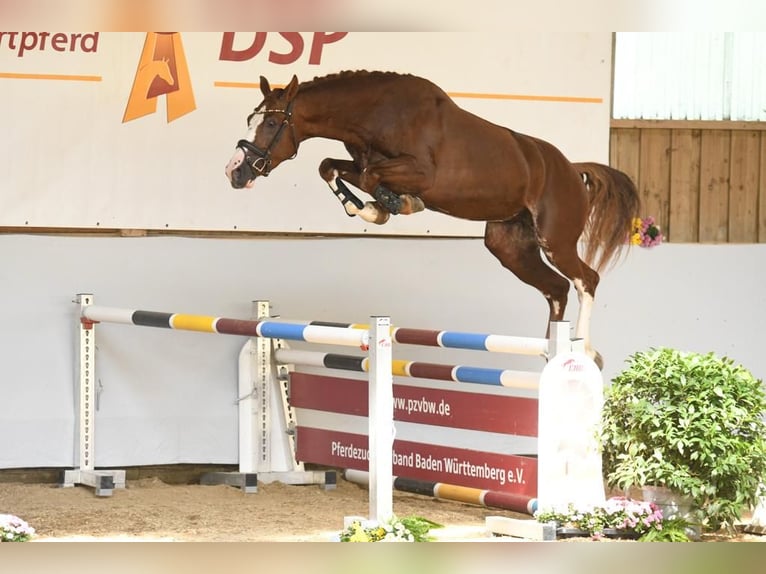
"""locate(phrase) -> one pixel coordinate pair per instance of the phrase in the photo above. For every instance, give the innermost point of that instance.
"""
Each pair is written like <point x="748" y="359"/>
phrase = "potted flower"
<point x="626" y="518"/>
<point x="617" y="517"/>
<point x="572" y="520"/>
<point x="690" y="423"/>
<point x="14" y="529"/>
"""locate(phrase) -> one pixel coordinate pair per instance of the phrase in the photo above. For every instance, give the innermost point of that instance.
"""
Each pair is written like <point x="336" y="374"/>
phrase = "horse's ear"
<point x="265" y="87"/>
<point x="292" y="88"/>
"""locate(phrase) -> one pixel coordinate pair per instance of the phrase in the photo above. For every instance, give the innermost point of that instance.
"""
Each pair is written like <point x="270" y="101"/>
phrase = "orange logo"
<point x="162" y="71"/>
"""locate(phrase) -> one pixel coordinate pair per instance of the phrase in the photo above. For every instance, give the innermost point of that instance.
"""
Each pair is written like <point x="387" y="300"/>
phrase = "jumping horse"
<point x="412" y="148"/>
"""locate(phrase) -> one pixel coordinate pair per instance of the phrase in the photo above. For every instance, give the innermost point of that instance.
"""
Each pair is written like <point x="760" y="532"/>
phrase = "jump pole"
<point x="454" y="493"/>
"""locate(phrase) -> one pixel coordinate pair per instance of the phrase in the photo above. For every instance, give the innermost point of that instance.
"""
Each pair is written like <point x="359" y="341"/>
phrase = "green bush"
<point x="689" y="422"/>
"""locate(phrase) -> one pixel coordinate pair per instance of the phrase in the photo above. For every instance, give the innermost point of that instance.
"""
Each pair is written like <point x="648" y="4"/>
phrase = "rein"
<point x="261" y="163"/>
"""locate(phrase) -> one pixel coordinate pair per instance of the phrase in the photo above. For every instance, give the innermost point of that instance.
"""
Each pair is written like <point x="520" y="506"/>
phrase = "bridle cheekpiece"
<point x="261" y="162"/>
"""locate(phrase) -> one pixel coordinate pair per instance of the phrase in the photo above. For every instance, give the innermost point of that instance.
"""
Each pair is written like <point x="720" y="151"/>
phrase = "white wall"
<point x="169" y="396"/>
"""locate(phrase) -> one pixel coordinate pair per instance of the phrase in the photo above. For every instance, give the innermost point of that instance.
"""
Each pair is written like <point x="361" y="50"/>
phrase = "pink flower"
<point x="645" y="232"/>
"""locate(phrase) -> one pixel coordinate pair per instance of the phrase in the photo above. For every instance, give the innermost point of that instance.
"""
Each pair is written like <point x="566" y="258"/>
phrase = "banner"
<point x="132" y="130"/>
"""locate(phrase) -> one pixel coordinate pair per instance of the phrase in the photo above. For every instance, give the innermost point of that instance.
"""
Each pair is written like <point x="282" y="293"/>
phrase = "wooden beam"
<point x="687" y="125"/>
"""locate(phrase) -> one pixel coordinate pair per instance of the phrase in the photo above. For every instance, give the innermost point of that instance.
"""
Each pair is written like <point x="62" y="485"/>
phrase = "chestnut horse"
<point x="413" y="148"/>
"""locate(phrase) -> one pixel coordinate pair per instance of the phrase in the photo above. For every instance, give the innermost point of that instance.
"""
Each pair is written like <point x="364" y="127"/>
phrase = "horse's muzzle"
<point x="245" y="166"/>
<point x="239" y="180"/>
<point x="257" y="159"/>
<point x="243" y="175"/>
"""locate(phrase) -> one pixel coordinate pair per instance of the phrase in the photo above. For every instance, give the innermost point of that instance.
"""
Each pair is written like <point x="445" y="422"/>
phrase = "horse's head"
<point x="265" y="147"/>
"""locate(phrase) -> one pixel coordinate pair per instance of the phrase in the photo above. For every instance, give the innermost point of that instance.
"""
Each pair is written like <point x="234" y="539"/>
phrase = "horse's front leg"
<point x="404" y="173"/>
<point x="334" y="171"/>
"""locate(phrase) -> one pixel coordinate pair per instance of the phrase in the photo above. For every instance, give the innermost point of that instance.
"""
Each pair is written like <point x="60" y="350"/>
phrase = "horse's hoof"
<point x="374" y="214"/>
<point x="411" y="204"/>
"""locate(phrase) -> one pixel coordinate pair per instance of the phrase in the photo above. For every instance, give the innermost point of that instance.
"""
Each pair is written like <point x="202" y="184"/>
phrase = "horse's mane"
<point x="348" y="74"/>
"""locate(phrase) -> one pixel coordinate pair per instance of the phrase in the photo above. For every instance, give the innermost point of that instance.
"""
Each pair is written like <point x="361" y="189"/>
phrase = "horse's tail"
<point x="614" y="203"/>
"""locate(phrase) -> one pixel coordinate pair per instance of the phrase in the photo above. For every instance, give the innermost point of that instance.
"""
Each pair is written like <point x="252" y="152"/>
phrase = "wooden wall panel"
<point x="683" y="226"/>
<point x="703" y="181"/>
<point x="625" y="150"/>
<point x="654" y="175"/>
<point x="762" y="193"/>
<point x="715" y="147"/>
<point x="743" y="187"/>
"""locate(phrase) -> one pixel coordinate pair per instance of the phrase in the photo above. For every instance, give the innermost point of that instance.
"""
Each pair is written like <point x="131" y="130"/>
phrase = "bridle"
<point x="261" y="162"/>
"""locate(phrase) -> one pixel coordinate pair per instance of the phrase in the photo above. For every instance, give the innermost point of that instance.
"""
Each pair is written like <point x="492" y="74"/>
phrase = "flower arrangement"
<point x="619" y="516"/>
<point x="14" y="529"/>
<point x="626" y="514"/>
<point x="588" y="519"/>
<point x="645" y="232"/>
<point x="407" y="529"/>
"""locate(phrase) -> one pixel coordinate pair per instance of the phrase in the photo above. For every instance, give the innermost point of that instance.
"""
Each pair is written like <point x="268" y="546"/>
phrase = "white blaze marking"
<point x="239" y="155"/>
<point x="250" y="135"/>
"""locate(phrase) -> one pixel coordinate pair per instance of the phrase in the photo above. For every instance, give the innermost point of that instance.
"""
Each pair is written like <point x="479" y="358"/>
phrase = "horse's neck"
<point x="316" y="106"/>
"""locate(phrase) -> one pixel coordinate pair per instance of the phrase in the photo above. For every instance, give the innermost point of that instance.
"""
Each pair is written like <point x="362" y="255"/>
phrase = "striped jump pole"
<point x="454" y="493"/>
<point x="347" y="334"/>
<point x="460" y="340"/>
<point x="310" y="333"/>
<point x="413" y="369"/>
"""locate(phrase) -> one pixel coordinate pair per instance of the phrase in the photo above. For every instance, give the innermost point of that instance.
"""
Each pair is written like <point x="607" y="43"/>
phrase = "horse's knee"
<point x="325" y="166"/>
<point x="327" y="169"/>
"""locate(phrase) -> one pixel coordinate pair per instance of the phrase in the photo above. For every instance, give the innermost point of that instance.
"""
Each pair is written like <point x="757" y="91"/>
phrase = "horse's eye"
<point x="271" y="123"/>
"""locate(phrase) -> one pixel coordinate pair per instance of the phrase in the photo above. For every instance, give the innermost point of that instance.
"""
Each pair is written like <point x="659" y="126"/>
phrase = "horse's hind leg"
<point x="563" y="255"/>
<point x="514" y="243"/>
